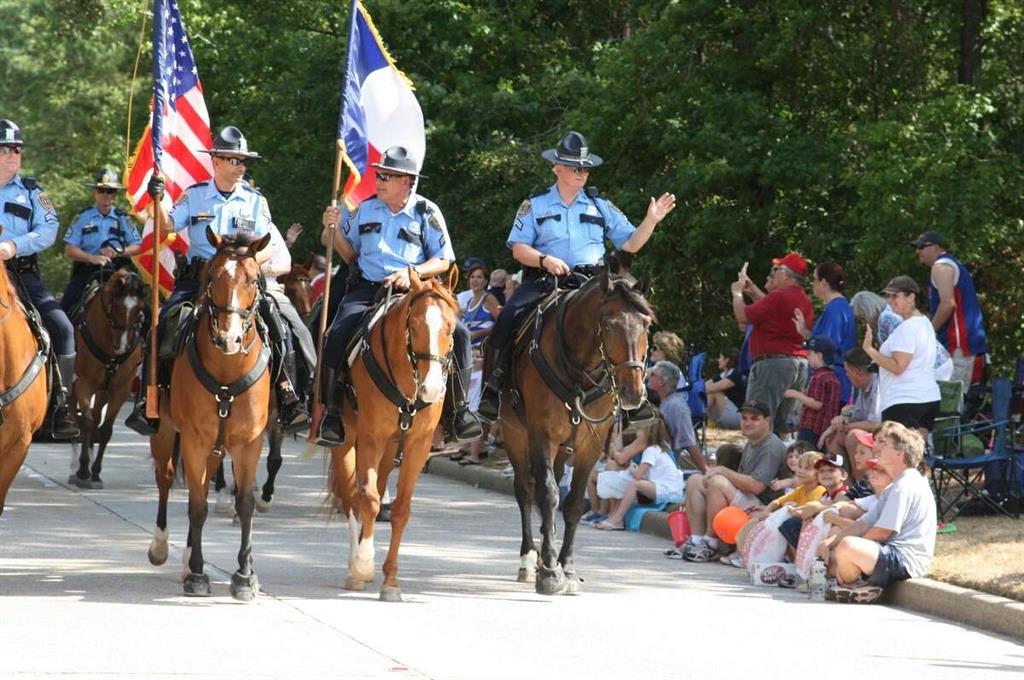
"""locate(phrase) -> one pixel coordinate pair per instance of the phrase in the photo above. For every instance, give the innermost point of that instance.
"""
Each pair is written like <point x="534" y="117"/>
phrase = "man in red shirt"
<point x="779" y="360"/>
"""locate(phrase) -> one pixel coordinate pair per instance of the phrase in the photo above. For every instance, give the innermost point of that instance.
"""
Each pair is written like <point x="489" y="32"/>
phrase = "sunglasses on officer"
<point x="387" y="177"/>
<point x="233" y="161"/>
<point x="4" y="150"/>
<point x="580" y="171"/>
<point x="106" y="191"/>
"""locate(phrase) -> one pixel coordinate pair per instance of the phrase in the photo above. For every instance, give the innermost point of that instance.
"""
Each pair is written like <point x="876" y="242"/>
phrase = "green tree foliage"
<point x="835" y="128"/>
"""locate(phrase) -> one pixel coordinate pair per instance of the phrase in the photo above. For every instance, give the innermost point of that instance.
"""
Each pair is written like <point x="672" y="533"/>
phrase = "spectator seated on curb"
<point x="747" y="487"/>
<point x="864" y="414"/>
<point x="655" y="480"/>
<point x="807" y="490"/>
<point x="895" y="540"/>
<point x="617" y="458"/>
<point x="831" y="473"/>
<point x="793" y="453"/>
<point x="726" y="393"/>
<point x="675" y="411"/>
<point x="820" y="403"/>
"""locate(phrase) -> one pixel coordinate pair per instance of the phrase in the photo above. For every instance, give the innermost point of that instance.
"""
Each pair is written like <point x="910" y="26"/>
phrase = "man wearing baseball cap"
<point x="954" y="307"/>
<point x="763" y="459"/>
<point x="777" y="351"/>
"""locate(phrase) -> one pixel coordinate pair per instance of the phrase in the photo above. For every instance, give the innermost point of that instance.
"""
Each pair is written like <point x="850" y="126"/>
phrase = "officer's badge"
<point x="181" y="199"/>
<point x="591" y="209"/>
<point x="434" y="221"/>
<point x="46" y="203"/>
<point x="21" y="199"/>
<point x="524" y="209"/>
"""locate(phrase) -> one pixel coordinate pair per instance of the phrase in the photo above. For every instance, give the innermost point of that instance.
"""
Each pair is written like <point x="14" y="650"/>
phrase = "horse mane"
<point x="622" y="289"/>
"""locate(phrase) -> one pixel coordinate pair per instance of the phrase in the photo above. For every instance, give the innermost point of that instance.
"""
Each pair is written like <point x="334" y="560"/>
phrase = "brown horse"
<point x="218" y="405"/>
<point x="399" y="377"/>
<point x="585" y="361"/>
<point x="22" y="384"/>
<point x="296" y="287"/>
<point x="109" y="340"/>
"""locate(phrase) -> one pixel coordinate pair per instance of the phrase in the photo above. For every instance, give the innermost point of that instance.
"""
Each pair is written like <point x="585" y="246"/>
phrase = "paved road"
<point x="78" y="598"/>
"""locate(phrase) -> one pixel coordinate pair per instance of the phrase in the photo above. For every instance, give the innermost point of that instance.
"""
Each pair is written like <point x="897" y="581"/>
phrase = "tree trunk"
<point x="974" y="12"/>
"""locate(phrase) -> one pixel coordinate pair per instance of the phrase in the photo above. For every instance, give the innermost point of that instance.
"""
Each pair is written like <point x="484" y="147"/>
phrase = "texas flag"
<point x="378" y="110"/>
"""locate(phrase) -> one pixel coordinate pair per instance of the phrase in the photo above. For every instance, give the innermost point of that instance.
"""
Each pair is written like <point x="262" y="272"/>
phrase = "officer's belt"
<point x="588" y="270"/>
<point x="29" y="264"/>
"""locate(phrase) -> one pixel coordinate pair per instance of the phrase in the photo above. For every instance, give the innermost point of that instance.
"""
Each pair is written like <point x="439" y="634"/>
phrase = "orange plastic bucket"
<point x="679" y="525"/>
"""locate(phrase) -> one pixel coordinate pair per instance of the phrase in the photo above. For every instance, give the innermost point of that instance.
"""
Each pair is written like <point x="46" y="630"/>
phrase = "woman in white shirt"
<point x="906" y="360"/>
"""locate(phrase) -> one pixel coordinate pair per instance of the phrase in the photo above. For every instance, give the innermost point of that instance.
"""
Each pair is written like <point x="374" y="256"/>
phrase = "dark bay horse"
<point x="22" y="383"/>
<point x="218" y="406"/>
<point x="399" y="377"/>
<point x="586" y="359"/>
<point x="109" y="341"/>
<point x="296" y="287"/>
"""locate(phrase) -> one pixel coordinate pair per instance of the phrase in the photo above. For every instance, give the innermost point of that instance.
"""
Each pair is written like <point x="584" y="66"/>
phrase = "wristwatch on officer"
<point x="540" y="262"/>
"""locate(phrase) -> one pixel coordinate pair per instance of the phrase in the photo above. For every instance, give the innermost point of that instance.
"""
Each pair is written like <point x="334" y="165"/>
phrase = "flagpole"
<point x="152" y="389"/>
<point x="332" y="230"/>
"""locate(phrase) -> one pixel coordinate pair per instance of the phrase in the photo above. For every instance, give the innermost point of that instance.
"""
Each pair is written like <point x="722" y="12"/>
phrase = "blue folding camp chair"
<point x="959" y="480"/>
<point x="697" y="398"/>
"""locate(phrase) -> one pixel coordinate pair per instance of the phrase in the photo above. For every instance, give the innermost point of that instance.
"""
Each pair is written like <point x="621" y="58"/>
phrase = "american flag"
<point x="179" y="128"/>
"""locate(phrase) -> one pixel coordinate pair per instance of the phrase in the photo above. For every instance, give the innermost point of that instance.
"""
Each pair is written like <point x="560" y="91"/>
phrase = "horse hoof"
<point x="197" y="585"/>
<point x="572" y="584"/>
<point x="550" y="581"/>
<point x="96" y="483"/>
<point x="262" y="505"/>
<point x="361" y="570"/>
<point x="526" y="575"/>
<point x="384" y="515"/>
<point x="354" y="584"/>
<point x="244" y="588"/>
<point x="157" y="553"/>
<point x="79" y="482"/>
<point x="392" y="594"/>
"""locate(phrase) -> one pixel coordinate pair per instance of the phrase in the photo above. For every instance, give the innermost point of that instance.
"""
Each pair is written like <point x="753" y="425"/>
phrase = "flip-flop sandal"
<point x="468" y="461"/>
<point x="609" y="527"/>
<point x="458" y="455"/>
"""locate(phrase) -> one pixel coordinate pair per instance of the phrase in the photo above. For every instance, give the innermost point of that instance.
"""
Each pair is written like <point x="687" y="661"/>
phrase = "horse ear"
<point x="607" y="283"/>
<point x="453" y="277"/>
<point x="257" y="246"/>
<point x="415" y="282"/>
<point x="212" y="237"/>
<point x="644" y="285"/>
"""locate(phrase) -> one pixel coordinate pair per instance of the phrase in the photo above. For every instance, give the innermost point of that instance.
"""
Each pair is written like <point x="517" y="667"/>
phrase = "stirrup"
<point x="490" y="405"/>
<point x="638" y="418"/>
<point x="329" y="435"/>
<point x="139" y="423"/>
<point x="465" y="426"/>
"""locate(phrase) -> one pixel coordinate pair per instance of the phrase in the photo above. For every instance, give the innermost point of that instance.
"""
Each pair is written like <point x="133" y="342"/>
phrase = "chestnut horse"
<point x="218" y="404"/>
<point x="399" y="376"/>
<point x="109" y="341"/>
<point x="586" y="360"/>
<point x="296" y="287"/>
<point x="22" y="383"/>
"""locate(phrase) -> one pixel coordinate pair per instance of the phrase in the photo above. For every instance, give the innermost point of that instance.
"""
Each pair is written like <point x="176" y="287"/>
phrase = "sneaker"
<point x="596" y="519"/>
<point x="589" y="517"/>
<point x="700" y="553"/>
<point x="855" y="593"/>
<point x="508" y="471"/>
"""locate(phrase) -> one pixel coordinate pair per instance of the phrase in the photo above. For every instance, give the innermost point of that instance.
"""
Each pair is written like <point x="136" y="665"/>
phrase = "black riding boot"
<point x="462" y="424"/>
<point x="332" y="431"/>
<point x="490" y="398"/>
<point x="291" y="413"/>
<point x="62" y="422"/>
<point x="137" y="420"/>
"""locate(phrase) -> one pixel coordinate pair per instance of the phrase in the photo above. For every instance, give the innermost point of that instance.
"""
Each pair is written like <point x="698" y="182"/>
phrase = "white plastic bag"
<point x="765" y="543"/>
<point x="812" y="534"/>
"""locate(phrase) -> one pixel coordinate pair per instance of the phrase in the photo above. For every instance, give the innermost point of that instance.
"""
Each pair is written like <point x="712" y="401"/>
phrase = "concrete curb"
<point x="961" y="605"/>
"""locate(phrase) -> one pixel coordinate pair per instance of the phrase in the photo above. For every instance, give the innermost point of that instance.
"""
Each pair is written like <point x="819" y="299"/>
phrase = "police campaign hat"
<point x="230" y="140"/>
<point x="573" y="151"/>
<point x="399" y="159"/>
<point x="10" y="133"/>
<point x="106" y="178"/>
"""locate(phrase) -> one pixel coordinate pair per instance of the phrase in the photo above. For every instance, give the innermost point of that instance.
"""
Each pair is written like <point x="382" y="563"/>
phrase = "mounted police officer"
<point x="30" y="226"/>
<point x="560" y="231"/>
<point x="90" y="240"/>
<point x="231" y="207"/>
<point x="382" y="237"/>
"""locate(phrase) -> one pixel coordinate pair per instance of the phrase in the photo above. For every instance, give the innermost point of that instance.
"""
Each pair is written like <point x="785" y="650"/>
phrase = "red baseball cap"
<point x="796" y="263"/>
<point x="873" y="464"/>
<point x="864" y="437"/>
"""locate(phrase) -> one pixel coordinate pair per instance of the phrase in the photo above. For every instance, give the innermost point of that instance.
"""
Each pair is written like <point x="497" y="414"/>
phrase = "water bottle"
<point x="816" y="584"/>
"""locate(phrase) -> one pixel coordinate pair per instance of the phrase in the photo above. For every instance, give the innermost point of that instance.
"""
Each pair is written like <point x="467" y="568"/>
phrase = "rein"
<point x="385" y="380"/>
<point x="111" y="362"/>
<point x="248" y="315"/>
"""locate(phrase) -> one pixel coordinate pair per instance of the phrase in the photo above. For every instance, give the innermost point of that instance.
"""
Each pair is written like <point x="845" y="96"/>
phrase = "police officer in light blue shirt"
<point x="29" y="226"/>
<point x="99" y="235"/>
<point x="230" y="207"/>
<point x="556" y="232"/>
<point x="383" y="237"/>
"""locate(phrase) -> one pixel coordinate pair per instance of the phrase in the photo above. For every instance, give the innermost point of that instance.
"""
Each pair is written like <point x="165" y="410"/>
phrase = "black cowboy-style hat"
<point x="106" y="178"/>
<point x="10" y="133"/>
<point x="230" y="140"/>
<point x="573" y="151"/>
<point x="399" y="159"/>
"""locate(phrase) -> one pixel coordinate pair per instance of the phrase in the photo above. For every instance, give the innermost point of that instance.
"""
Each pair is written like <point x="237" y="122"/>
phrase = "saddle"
<point x="42" y="355"/>
<point x="381" y="304"/>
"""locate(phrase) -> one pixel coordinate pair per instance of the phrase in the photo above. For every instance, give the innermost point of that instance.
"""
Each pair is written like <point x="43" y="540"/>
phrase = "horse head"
<point x="431" y="316"/>
<point x="297" y="286"/>
<point x="232" y="290"/>
<point x="123" y="301"/>
<point x="624" y="319"/>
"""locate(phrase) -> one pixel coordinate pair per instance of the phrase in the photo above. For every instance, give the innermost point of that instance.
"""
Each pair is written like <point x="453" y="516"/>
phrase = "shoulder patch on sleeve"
<point x="45" y="202"/>
<point x="434" y="221"/>
<point x="524" y="209"/>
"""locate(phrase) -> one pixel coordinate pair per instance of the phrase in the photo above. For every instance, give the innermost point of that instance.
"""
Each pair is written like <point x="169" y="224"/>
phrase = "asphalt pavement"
<point x="79" y="599"/>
